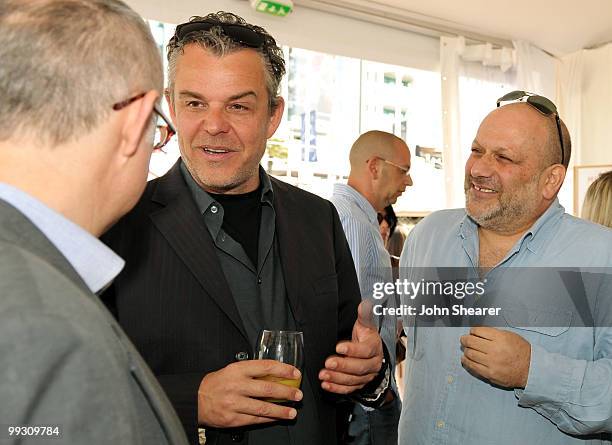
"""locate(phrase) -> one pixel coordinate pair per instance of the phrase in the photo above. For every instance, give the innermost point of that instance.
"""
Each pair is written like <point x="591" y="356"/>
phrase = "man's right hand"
<point x="229" y="397"/>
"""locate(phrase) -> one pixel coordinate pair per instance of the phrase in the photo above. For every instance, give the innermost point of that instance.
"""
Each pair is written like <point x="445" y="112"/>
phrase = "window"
<point x="330" y="101"/>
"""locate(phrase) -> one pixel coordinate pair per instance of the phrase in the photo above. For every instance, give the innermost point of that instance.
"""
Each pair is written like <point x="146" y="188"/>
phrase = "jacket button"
<point x="237" y="437"/>
<point x="240" y="356"/>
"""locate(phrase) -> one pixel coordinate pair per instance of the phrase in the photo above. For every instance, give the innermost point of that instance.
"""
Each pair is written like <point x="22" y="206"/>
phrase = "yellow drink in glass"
<point x="285" y="347"/>
<point x="294" y="383"/>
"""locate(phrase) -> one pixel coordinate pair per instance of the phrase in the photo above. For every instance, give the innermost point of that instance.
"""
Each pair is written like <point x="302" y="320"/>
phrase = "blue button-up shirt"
<point x="569" y="387"/>
<point x="95" y="263"/>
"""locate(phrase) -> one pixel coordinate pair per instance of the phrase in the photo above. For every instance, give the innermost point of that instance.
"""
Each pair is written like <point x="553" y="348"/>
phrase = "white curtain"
<point x="569" y="94"/>
<point x="470" y="87"/>
<point x="473" y="77"/>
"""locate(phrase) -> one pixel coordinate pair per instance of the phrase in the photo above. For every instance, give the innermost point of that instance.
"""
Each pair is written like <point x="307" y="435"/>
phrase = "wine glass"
<point x="283" y="346"/>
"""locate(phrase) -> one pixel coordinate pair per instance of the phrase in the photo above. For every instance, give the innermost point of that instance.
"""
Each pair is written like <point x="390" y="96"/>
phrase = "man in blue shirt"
<point x="380" y="165"/>
<point x="518" y="382"/>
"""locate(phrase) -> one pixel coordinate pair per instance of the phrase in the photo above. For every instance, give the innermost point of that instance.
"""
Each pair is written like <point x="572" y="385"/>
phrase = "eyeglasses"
<point x="238" y="33"/>
<point x="404" y="169"/>
<point x="163" y="133"/>
<point x="540" y="103"/>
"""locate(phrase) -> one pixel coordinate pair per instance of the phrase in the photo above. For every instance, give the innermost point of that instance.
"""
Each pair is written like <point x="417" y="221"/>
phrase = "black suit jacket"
<point x="173" y="301"/>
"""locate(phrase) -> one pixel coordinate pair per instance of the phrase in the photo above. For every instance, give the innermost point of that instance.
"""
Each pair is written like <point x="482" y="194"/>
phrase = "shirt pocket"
<point x="542" y="326"/>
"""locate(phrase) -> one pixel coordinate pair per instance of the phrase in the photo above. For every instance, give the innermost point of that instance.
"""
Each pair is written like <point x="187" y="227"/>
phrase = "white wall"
<point x="314" y="30"/>
<point x="596" y="119"/>
<point x="585" y="98"/>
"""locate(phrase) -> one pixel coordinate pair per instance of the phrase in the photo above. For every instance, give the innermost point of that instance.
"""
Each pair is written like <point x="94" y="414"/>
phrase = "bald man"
<point x="380" y="166"/>
<point x="538" y="376"/>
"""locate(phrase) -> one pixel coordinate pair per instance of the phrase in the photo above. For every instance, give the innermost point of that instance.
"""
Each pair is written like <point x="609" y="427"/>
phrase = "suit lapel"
<point x="182" y="225"/>
<point x="17" y="229"/>
<point x="288" y="242"/>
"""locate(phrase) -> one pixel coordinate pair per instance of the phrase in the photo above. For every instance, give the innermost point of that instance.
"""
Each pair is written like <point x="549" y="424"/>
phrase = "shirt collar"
<point x="539" y="233"/>
<point x="95" y="263"/>
<point x="535" y="235"/>
<point x="349" y="192"/>
<point x="204" y="200"/>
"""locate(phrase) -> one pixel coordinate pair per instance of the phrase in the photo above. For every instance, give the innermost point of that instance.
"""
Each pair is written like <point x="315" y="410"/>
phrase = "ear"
<point x="374" y="167"/>
<point x="553" y="180"/>
<point x="136" y="123"/>
<point x="170" y="103"/>
<point x="275" y="117"/>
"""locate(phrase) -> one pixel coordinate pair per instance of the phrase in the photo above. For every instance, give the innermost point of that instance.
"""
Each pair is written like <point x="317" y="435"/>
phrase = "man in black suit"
<point x="217" y="251"/>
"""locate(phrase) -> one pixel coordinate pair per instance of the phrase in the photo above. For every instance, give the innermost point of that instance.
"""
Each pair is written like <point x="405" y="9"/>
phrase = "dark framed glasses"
<point x="540" y="103"/>
<point x="163" y="133"/>
<point x="238" y="33"/>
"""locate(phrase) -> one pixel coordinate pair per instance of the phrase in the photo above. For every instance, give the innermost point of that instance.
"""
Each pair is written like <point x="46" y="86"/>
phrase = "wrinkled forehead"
<point x="240" y="69"/>
<point x="196" y="53"/>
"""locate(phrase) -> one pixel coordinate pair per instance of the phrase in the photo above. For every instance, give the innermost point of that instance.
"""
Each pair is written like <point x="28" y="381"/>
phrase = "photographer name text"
<point x="435" y="311"/>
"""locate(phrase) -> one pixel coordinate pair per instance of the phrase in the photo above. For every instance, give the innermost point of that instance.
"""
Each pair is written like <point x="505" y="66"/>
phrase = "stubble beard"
<point x="216" y="182"/>
<point x="510" y="210"/>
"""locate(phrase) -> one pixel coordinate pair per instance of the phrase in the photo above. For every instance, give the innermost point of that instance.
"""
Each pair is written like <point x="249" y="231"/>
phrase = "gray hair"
<point x="216" y="42"/>
<point x="66" y="62"/>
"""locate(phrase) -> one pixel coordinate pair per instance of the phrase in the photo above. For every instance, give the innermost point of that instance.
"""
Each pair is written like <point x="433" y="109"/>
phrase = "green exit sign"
<point x="273" y="7"/>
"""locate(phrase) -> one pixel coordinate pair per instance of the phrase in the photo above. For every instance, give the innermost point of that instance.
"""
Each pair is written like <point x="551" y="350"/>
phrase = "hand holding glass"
<point x="283" y="346"/>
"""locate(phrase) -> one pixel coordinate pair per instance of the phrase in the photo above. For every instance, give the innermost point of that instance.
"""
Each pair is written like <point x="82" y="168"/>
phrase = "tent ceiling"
<point x="557" y="26"/>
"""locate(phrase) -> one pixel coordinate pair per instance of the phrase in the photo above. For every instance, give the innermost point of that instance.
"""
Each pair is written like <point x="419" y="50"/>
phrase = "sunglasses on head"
<point x="540" y="103"/>
<point x="238" y="33"/>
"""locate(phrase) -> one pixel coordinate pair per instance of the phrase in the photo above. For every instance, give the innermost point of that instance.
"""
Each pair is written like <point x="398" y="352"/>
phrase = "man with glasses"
<point x="380" y="165"/>
<point x="221" y="251"/>
<point x="75" y="151"/>
<point x="541" y="372"/>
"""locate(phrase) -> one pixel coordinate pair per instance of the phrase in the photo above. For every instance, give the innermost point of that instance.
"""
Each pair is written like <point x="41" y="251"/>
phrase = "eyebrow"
<point x="496" y="149"/>
<point x="243" y="95"/>
<point x="187" y="93"/>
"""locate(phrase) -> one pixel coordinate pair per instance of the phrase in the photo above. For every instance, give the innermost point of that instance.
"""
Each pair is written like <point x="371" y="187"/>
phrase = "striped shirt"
<point x="372" y="261"/>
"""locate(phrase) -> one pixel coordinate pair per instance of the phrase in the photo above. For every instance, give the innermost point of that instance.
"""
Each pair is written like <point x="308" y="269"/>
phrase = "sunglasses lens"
<point x="244" y="35"/>
<point x="187" y="28"/>
<point x="237" y="33"/>
<point x="542" y="104"/>
<point x="514" y="95"/>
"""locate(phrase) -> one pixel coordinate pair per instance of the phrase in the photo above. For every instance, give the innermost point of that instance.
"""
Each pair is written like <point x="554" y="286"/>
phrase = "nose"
<point x="408" y="180"/>
<point x="214" y="121"/>
<point x="479" y="166"/>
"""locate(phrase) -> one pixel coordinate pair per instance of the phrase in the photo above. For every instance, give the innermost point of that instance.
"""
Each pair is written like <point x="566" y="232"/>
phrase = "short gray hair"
<point x="216" y="42"/>
<point x="66" y="62"/>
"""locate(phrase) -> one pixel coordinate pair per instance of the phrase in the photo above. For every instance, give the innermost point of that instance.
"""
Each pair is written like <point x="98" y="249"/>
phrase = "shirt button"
<point x="258" y="280"/>
<point x="440" y="423"/>
<point x="214" y="209"/>
<point x="240" y="356"/>
<point x="450" y="379"/>
<point x="237" y="437"/>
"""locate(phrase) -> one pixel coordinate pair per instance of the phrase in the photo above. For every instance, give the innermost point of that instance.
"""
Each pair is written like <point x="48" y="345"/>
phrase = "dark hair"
<point x="391" y="219"/>
<point x="217" y="42"/>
